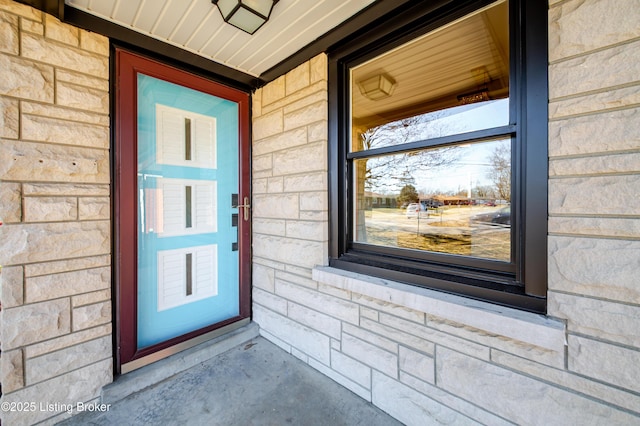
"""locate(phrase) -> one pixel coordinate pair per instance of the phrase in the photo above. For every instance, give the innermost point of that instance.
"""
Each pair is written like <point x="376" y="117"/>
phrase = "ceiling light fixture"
<point x="247" y="15"/>
<point x="377" y="87"/>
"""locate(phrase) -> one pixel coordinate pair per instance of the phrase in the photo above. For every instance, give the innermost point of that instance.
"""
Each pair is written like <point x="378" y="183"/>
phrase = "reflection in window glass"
<point x="453" y="80"/>
<point x="453" y="200"/>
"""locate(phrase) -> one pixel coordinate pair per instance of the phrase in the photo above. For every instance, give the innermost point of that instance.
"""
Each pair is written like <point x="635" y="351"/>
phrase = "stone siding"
<point x="55" y="243"/>
<point x="426" y="357"/>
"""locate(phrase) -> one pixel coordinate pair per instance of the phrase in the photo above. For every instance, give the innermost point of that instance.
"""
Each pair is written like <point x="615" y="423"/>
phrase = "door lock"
<point x="245" y="208"/>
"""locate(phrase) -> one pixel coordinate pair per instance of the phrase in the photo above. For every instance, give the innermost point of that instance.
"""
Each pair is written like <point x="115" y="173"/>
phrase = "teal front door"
<point x="187" y="197"/>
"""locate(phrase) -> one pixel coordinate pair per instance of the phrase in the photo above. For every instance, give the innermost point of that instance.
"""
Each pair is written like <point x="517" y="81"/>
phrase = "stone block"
<point x="91" y="298"/>
<point x="95" y="43"/>
<point x="385" y="306"/>
<point x="267" y="125"/>
<point x="28" y="324"/>
<point x="411" y="407"/>
<point x="68" y="359"/>
<point x="318" y="68"/>
<point x="610" y="131"/>
<point x="47" y="287"/>
<point x="67" y="341"/>
<point x="261" y="162"/>
<point x="417" y="364"/>
<point x="297" y="79"/>
<point x="9" y="38"/>
<point x="279" y="141"/>
<point x="275" y="185"/>
<point x="433" y="336"/>
<point x="21" y="10"/>
<point x="312" y="98"/>
<point x="488" y="386"/>
<point x="275" y="206"/>
<point x="368" y="354"/>
<point x="74" y="96"/>
<point x="26" y="79"/>
<point x="9" y="118"/>
<point x="38" y="269"/>
<point x="601" y="319"/>
<point x="318" y="131"/>
<point x="10" y="202"/>
<point x="29" y="26"/>
<point x="576" y="26"/>
<point x="41" y="242"/>
<point x="309" y="158"/>
<point x="61" y="189"/>
<point x="64" y="33"/>
<point x="269" y="301"/>
<point x="83" y="384"/>
<point x="351" y="368"/>
<point x="616" y="66"/>
<point x="626" y="97"/>
<point x="595" y="226"/>
<point x="50" y="209"/>
<point x="64" y="114"/>
<point x="44" y="129"/>
<point x="269" y="226"/>
<point x="595" y="195"/>
<point x="338" y="308"/>
<point x="312" y="343"/>
<point x="12" y="281"/>
<point x="304" y="116"/>
<point x="43" y="50"/>
<point x="21" y="161"/>
<point x="256" y="103"/>
<point x="316" y="231"/>
<point x="274" y="91"/>
<point x="297" y="276"/>
<point x="259" y="184"/>
<point x="91" y="315"/>
<point x="607" y="269"/>
<point x="80" y="79"/>
<point x="315" y="320"/>
<point x="566" y="379"/>
<point x="369" y="313"/>
<point x="94" y="208"/>
<point x="554" y="358"/>
<point x="12" y="371"/>
<point x="314" y="201"/>
<point x="605" y="362"/>
<point x="392" y="335"/>
<point x="600" y="164"/>
<point x="312" y="181"/>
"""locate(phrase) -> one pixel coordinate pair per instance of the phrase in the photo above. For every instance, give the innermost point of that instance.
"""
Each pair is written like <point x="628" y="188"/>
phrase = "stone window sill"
<point x="526" y="327"/>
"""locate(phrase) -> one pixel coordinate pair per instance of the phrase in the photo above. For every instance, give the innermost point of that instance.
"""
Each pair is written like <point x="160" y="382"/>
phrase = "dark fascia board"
<point x="373" y="15"/>
<point x="352" y="27"/>
<point x="127" y="37"/>
<point x="52" y="7"/>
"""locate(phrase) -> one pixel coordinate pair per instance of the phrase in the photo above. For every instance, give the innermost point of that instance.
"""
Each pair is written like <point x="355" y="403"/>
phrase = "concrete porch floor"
<point x="254" y="382"/>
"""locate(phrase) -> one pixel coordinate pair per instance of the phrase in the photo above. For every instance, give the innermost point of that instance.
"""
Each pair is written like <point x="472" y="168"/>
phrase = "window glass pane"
<point x="452" y="200"/>
<point x="450" y="81"/>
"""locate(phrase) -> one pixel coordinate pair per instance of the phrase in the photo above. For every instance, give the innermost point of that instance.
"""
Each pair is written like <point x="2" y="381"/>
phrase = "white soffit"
<point x="196" y="26"/>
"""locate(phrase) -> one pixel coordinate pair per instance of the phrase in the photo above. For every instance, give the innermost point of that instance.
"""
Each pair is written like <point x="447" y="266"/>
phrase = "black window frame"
<point x="523" y="283"/>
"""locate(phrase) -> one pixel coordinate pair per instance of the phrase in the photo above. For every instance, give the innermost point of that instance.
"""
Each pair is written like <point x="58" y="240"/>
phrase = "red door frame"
<point x="128" y="64"/>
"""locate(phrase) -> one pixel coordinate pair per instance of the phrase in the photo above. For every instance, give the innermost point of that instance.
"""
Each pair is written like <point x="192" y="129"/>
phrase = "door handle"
<point x="245" y="208"/>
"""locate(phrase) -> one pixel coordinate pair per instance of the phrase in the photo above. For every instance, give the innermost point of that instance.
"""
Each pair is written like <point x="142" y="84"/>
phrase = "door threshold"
<point x="168" y="362"/>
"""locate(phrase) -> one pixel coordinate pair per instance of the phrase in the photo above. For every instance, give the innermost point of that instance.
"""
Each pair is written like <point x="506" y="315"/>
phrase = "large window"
<point x="438" y="131"/>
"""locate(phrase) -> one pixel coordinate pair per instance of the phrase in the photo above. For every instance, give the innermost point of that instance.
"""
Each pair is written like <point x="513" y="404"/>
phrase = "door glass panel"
<point x="187" y="174"/>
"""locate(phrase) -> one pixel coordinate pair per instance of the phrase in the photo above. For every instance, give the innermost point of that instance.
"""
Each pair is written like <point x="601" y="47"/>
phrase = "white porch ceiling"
<point x="197" y="26"/>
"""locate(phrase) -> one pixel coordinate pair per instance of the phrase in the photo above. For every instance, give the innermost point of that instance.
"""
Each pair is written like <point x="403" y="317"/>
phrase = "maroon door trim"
<point x="125" y="199"/>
